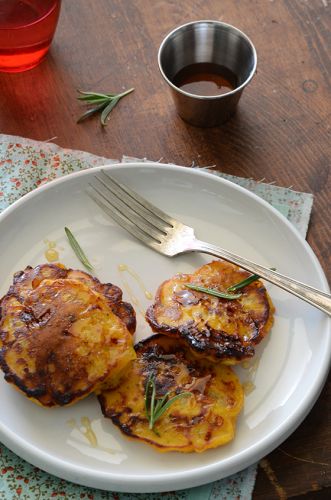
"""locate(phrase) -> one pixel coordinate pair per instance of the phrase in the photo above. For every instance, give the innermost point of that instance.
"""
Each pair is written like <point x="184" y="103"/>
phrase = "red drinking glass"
<point x="26" y="31"/>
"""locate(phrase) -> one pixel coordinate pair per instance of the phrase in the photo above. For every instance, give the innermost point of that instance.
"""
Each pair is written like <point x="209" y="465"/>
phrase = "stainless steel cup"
<point x="207" y="42"/>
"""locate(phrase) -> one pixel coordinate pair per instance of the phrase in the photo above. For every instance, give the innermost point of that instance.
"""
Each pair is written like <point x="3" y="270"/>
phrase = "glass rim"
<point x="55" y="2"/>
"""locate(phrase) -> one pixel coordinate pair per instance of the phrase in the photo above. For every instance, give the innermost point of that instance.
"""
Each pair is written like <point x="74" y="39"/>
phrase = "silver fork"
<point x="170" y="237"/>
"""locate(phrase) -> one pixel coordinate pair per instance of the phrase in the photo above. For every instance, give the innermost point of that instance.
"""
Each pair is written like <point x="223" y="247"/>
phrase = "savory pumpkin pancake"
<point x="174" y="401"/>
<point x="219" y="329"/>
<point x="30" y="278"/>
<point x="59" y="337"/>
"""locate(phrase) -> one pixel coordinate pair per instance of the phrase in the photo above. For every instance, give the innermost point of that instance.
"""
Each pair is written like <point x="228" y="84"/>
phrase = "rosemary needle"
<point x="103" y="103"/>
<point x="243" y="283"/>
<point x="155" y="407"/>
<point x="233" y="288"/>
<point x="215" y="293"/>
<point x="78" y="250"/>
<point x="246" y="281"/>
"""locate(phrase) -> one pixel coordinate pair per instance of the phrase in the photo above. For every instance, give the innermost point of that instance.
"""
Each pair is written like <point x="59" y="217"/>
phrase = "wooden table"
<point x="281" y="133"/>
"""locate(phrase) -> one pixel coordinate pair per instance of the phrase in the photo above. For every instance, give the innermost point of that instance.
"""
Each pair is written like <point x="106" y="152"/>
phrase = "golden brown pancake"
<point x="60" y="338"/>
<point x="31" y="277"/>
<point x="215" y="328"/>
<point x="203" y="419"/>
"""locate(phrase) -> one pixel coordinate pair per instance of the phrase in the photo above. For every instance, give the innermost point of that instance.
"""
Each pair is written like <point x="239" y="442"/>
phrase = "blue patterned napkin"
<point x="26" y="164"/>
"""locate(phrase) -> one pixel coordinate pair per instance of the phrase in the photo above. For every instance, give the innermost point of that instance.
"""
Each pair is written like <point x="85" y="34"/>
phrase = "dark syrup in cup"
<point x="206" y="79"/>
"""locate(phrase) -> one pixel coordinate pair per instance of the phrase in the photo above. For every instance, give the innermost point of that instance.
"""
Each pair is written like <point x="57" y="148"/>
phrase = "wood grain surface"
<point x="281" y="133"/>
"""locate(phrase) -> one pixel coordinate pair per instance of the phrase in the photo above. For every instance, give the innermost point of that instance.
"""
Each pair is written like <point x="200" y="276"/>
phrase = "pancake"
<point x="31" y="277"/>
<point x="60" y="338"/>
<point x="202" y="419"/>
<point x="215" y="328"/>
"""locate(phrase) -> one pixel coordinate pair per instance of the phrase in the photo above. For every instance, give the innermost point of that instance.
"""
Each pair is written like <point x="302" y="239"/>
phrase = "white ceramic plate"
<point x="293" y="361"/>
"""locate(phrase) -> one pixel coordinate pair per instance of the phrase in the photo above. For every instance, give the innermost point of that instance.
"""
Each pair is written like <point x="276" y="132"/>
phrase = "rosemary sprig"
<point x="232" y="288"/>
<point x="155" y="407"/>
<point x="243" y="283"/>
<point x="103" y="103"/>
<point x="78" y="250"/>
<point x="246" y="281"/>
<point x="212" y="291"/>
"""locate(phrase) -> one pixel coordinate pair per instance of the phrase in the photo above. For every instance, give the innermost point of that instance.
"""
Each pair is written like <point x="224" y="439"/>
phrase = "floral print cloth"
<point x="26" y="164"/>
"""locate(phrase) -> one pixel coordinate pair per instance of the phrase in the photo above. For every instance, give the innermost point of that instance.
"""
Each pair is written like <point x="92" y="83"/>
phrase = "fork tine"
<point x="128" y="204"/>
<point x="146" y="209"/>
<point x="116" y="204"/>
<point x="111" y="198"/>
<point x="121" y="220"/>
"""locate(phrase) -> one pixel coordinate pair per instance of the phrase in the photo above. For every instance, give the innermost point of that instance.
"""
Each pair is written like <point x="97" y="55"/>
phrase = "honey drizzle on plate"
<point x="51" y="254"/>
<point x="129" y="270"/>
<point x="122" y="268"/>
<point x="248" y="387"/>
<point x="88" y="432"/>
<point x="251" y="366"/>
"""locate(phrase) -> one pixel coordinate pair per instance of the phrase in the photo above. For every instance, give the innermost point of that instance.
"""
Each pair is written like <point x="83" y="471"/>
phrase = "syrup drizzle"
<point x="51" y="253"/>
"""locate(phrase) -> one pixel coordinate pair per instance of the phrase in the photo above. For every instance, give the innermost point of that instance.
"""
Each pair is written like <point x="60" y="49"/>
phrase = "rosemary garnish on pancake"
<point x="245" y="282"/>
<point x="213" y="291"/>
<point x="155" y="407"/>
<point x="232" y="288"/>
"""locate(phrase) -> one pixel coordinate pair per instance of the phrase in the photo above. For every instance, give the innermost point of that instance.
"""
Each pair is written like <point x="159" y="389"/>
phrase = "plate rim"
<point x="202" y="474"/>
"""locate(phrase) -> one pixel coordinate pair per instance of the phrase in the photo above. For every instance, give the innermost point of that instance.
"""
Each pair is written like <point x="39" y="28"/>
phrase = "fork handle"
<point x="313" y="296"/>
